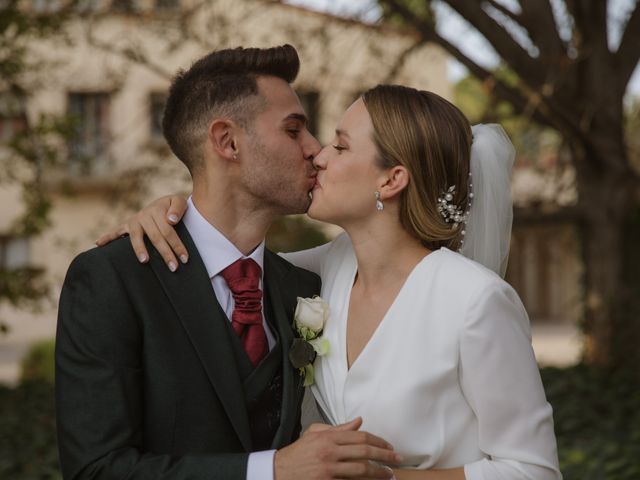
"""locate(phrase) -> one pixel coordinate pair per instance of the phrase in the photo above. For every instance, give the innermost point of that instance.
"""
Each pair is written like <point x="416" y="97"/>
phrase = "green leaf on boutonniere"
<point x="301" y="353"/>
<point x="308" y="375"/>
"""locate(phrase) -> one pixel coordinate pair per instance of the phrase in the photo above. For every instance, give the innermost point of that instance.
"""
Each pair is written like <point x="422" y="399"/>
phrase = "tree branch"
<point x="505" y="11"/>
<point x="511" y="51"/>
<point x="506" y="92"/>
<point x="402" y="58"/>
<point x="590" y="20"/>
<point x="628" y="53"/>
<point x="128" y="53"/>
<point x="537" y="17"/>
<point x="543" y="109"/>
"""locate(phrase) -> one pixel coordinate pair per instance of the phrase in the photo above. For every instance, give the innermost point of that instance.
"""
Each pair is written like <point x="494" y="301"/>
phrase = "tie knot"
<point x="243" y="274"/>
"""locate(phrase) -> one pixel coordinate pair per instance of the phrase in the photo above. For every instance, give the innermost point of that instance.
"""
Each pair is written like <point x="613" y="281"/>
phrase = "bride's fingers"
<point x="177" y="207"/>
<point x="170" y="235"/>
<point x="111" y="236"/>
<point x="152" y="231"/>
<point x="136" y="237"/>
<point x="361" y="470"/>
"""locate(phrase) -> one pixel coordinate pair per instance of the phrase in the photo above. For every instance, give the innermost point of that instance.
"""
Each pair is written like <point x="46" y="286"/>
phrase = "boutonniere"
<point x="308" y="320"/>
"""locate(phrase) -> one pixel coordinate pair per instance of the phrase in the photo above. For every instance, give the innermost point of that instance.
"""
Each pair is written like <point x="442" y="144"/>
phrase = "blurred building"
<point x="546" y="260"/>
<point x="546" y="264"/>
<point x="111" y="76"/>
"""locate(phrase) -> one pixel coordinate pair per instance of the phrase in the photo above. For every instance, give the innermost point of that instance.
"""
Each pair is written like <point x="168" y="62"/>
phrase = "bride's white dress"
<point x="449" y="376"/>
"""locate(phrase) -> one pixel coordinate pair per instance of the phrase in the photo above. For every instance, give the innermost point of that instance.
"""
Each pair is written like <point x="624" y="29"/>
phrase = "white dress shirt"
<point x="449" y="377"/>
<point x="217" y="253"/>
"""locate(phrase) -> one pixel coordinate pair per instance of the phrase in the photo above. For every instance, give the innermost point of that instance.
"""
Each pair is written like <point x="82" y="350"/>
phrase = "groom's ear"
<point x="222" y="138"/>
<point x="395" y="181"/>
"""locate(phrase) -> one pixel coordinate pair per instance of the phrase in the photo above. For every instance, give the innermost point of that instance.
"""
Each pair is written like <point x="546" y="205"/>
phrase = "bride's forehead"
<point x="356" y="120"/>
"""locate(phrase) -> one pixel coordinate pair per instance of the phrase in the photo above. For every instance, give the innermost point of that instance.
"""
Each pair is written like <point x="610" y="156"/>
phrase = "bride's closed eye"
<point x="339" y="147"/>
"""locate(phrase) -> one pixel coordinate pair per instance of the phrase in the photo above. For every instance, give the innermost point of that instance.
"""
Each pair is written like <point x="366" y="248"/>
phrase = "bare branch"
<point x="506" y="92"/>
<point x="505" y="11"/>
<point x="402" y="58"/>
<point x="537" y="17"/>
<point x="531" y="102"/>
<point x="501" y="40"/>
<point x="590" y="20"/>
<point x="128" y="53"/>
<point x="628" y="53"/>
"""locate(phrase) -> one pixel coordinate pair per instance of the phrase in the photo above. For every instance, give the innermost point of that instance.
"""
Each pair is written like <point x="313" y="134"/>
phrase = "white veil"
<point x="488" y="229"/>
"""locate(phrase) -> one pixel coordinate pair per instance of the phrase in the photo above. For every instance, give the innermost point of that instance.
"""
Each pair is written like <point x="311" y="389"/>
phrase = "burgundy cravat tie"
<point x="243" y="278"/>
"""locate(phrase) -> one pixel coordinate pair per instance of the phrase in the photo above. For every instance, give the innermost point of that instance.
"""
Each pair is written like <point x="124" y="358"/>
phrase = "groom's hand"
<point x="335" y="452"/>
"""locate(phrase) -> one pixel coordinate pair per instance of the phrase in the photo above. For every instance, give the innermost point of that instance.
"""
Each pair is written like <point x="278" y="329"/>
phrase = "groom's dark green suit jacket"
<point x="147" y="385"/>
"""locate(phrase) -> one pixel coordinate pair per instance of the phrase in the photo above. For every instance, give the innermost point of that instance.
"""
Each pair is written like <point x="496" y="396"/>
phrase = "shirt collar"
<point x="216" y="251"/>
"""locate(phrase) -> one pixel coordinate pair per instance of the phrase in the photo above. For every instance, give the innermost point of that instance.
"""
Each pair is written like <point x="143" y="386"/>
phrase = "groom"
<point x="186" y="375"/>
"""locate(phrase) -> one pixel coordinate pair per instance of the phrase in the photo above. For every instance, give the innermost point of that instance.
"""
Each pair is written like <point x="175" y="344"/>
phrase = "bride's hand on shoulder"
<point x="156" y="221"/>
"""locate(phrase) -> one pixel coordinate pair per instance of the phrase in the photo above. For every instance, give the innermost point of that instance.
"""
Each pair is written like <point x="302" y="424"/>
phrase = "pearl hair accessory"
<point x="452" y="213"/>
<point x="379" y="204"/>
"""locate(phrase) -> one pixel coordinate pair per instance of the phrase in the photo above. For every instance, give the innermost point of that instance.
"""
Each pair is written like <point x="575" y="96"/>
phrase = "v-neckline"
<point x="345" y="325"/>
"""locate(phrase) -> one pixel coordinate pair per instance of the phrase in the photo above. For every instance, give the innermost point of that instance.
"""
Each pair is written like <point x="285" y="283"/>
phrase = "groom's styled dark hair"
<point x="221" y="84"/>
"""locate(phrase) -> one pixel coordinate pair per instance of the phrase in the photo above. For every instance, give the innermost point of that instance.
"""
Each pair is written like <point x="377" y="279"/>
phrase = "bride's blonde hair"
<point x="431" y="138"/>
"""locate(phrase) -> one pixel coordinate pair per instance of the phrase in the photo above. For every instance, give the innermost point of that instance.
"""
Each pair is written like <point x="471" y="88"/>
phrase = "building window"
<point x="45" y="6"/>
<point x="167" y="4"/>
<point x="13" y="117"/>
<point x="14" y="252"/>
<point x="157" y="101"/>
<point x="310" y="101"/>
<point x="123" y="5"/>
<point x="85" y="6"/>
<point x="88" y="146"/>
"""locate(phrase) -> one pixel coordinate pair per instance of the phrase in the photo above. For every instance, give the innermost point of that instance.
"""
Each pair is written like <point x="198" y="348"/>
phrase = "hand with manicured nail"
<point x="156" y="221"/>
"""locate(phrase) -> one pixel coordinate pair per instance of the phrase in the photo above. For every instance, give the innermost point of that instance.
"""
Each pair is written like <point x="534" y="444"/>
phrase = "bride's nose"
<point x="320" y="161"/>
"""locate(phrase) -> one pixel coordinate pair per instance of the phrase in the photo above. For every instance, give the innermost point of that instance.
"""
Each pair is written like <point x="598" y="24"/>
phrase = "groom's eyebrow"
<point x="300" y="117"/>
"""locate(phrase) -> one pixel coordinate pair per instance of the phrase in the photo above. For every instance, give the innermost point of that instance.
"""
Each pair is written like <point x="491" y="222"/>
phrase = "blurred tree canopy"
<point x="562" y="67"/>
<point x="33" y="145"/>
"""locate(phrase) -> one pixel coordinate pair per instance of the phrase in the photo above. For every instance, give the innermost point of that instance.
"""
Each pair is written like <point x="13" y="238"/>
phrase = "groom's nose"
<point x="311" y="147"/>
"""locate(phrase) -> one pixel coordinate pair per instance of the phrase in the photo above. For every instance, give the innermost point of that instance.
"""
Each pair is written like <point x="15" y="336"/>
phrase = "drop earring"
<point x="379" y="204"/>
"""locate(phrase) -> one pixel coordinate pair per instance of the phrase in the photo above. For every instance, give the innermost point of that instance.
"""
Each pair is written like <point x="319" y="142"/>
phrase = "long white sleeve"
<point x="501" y="382"/>
<point x="311" y="259"/>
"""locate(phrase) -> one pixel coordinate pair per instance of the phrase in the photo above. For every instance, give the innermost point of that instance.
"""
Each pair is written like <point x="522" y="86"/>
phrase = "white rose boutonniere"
<point x="309" y="318"/>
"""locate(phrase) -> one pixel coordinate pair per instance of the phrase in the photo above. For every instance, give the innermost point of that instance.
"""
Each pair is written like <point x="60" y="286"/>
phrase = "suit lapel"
<point x="275" y="288"/>
<point x="190" y="291"/>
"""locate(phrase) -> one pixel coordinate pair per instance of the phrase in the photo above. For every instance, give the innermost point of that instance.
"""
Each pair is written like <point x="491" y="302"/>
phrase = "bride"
<point x="428" y="344"/>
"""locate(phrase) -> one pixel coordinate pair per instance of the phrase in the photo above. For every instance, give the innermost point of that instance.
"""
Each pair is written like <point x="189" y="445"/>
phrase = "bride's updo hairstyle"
<point x="431" y="138"/>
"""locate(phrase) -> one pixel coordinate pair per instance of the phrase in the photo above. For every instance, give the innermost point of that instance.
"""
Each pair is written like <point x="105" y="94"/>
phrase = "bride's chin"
<point x="315" y="211"/>
<point x="312" y="212"/>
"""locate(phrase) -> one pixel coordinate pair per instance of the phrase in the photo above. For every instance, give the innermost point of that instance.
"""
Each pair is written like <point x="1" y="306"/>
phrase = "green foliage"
<point x="294" y="233"/>
<point x="28" y="448"/>
<point x="38" y="365"/>
<point x="533" y="142"/>
<point x="17" y="28"/>
<point x="597" y="421"/>
<point x="421" y="9"/>
<point x="36" y="144"/>
<point x="22" y="287"/>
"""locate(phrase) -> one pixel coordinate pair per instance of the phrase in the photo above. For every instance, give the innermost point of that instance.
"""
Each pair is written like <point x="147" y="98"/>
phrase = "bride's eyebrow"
<point x="342" y="133"/>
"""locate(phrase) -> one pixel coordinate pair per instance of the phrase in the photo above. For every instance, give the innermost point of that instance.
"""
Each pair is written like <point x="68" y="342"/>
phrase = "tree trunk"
<point x="606" y="204"/>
